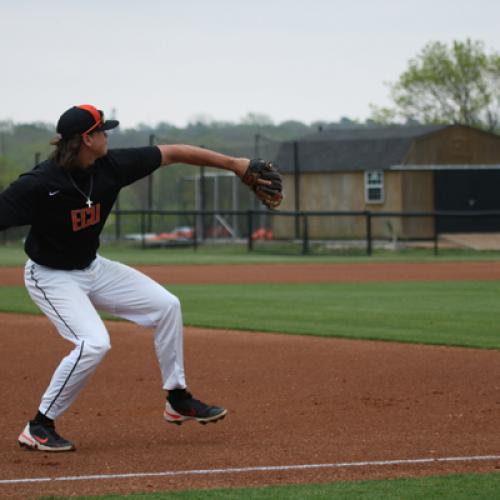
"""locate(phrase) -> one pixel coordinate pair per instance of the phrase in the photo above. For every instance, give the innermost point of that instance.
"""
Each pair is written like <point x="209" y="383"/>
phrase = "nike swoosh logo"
<point x="40" y="440"/>
<point x="52" y="193"/>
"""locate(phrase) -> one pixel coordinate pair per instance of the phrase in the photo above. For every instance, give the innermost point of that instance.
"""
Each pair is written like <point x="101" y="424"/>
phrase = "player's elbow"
<point x="170" y="154"/>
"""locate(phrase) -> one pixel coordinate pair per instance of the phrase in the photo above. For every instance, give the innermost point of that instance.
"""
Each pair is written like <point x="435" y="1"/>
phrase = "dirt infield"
<point x="292" y="400"/>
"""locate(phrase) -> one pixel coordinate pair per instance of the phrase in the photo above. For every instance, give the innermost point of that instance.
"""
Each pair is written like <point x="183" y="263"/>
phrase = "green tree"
<point x="442" y="84"/>
<point x="260" y="119"/>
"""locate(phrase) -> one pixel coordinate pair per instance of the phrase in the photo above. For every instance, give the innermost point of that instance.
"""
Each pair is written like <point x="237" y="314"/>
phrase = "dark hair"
<point x="66" y="152"/>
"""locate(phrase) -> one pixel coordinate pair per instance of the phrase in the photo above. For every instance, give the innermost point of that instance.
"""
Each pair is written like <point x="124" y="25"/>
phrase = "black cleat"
<point x="181" y="406"/>
<point x="44" y="438"/>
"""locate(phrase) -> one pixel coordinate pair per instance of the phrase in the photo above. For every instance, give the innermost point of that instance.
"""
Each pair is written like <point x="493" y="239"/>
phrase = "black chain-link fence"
<point x="280" y="232"/>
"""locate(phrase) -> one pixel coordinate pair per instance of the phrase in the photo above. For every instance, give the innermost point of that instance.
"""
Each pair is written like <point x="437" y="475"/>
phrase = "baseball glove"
<point x="263" y="178"/>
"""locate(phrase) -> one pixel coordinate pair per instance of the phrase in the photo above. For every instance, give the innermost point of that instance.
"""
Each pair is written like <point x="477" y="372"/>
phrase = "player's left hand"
<point x="263" y="178"/>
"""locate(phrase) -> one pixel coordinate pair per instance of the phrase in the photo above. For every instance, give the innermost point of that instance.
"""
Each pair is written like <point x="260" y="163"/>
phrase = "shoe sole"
<point x="172" y="417"/>
<point x="30" y="447"/>
<point x="27" y="442"/>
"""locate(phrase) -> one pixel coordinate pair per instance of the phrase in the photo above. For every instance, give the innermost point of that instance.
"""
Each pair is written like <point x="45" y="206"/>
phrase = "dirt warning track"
<point x="305" y="273"/>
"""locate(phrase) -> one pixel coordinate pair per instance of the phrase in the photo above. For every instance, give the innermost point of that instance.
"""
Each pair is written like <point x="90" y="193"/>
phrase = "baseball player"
<point x="66" y="201"/>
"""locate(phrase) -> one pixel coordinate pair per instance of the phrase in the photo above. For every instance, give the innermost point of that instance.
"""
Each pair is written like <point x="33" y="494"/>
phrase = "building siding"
<point x="418" y="196"/>
<point x="341" y="191"/>
<point x="404" y="191"/>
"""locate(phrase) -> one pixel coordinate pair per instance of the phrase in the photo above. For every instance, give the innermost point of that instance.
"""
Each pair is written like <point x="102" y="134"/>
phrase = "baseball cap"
<point x="81" y="120"/>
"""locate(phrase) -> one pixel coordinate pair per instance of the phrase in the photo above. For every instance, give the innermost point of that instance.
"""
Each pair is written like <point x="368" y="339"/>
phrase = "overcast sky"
<point x="174" y="60"/>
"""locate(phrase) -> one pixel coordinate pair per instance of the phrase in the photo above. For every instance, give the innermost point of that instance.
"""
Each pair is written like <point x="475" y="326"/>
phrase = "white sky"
<point x="173" y="60"/>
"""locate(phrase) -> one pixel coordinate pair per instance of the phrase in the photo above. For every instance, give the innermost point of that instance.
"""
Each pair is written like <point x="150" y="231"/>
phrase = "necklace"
<point x="86" y="196"/>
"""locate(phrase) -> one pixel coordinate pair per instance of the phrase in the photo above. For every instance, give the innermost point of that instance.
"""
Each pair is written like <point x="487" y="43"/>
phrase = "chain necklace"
<point x="86" y="196"/>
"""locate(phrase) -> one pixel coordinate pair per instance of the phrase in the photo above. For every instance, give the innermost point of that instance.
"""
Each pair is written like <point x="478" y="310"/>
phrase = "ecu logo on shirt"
<point x="85" y="217"/>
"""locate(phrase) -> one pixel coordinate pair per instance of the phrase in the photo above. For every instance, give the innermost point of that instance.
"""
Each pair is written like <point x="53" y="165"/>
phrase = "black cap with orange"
<point x="81" y="120"/>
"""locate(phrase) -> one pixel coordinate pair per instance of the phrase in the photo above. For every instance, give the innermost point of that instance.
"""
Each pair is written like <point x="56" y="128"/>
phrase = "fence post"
<point x="202" y="202"/>
<point x="195" y="233"/>
<point x="117" y="224"/>
<point x="117" y="219"/>
<point x="305" y="236"/>
<point x="436" y="235"/>
<point x="150" y="190"/>
<point x="296" y="184"/>
<point x="143" y="229"/>
<point x="368" y="232"/>
<point x="250" y="230"/>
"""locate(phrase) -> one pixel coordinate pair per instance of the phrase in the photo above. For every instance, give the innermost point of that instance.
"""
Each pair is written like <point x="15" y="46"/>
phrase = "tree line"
<point x="20" y="142"/>
<point x="456" y="83"/>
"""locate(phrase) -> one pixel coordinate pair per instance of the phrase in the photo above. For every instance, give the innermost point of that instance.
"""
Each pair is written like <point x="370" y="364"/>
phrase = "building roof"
<point x="352" y="149"/>
<point x="374" y="133"/>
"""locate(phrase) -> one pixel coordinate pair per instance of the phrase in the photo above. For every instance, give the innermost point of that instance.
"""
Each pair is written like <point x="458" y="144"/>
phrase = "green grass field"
<point x="448" y="313"/>
<point x="453" y="487"/>
<point x="13" y="255"/>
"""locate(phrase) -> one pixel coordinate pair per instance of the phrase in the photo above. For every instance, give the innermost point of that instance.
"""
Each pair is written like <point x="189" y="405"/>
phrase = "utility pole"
<point x="150" y="191"/>
<point x="296" y="178"/>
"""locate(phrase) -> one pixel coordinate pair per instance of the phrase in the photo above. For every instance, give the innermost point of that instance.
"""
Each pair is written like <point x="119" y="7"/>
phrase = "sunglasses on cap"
<point x="97" y="114"/>
<point x="83" y="120"/>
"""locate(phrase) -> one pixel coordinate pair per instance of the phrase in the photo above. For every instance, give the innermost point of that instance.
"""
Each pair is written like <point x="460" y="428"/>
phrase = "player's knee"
<point x="174" y="303"/>
<point x="163" y="307"/>
<point x="97" y="350"/>
<point x="172" y="307"/>
<point x="169" y="307"/>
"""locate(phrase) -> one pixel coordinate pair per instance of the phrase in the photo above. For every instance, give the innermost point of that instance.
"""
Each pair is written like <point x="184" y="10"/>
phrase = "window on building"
<point x="374" y="186"/>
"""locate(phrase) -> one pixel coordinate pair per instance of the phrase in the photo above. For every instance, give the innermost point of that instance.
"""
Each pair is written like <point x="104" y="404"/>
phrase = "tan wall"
<point x="283" y="227"/>
<point x="456" y="145"/>
<point x="342" y="191"/>
<point x="404" y="191"/>
<point x="418" y="196"/>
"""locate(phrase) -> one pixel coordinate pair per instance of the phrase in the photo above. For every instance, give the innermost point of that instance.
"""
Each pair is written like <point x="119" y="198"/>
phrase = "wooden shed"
<point x="401" y="169"/>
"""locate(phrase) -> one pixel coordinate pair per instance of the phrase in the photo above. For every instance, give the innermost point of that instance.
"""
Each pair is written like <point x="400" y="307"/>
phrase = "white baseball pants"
<point x="70" y="299"/>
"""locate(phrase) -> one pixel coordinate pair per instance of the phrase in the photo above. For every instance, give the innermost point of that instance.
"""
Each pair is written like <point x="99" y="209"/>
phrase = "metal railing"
<point x="301" y="221"/>
<point x="247" y="222"/>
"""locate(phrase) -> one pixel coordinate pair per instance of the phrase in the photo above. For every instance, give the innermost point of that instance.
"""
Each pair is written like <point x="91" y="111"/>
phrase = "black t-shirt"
<point x="65" y="230"/>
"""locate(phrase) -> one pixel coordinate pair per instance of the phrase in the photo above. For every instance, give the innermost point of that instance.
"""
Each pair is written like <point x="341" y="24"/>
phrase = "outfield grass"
<point x="453" y="487"/>
<point x="448" y="313"/>
<point x="13" y="255"/>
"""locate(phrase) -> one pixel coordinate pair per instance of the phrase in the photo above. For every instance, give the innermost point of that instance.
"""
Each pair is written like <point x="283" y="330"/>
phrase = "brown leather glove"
<point x="263" y="178"/>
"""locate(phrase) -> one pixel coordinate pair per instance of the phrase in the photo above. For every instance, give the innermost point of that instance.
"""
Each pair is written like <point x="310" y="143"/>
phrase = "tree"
<point x="457" y="84"/>
<point x="260" y="119"/>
